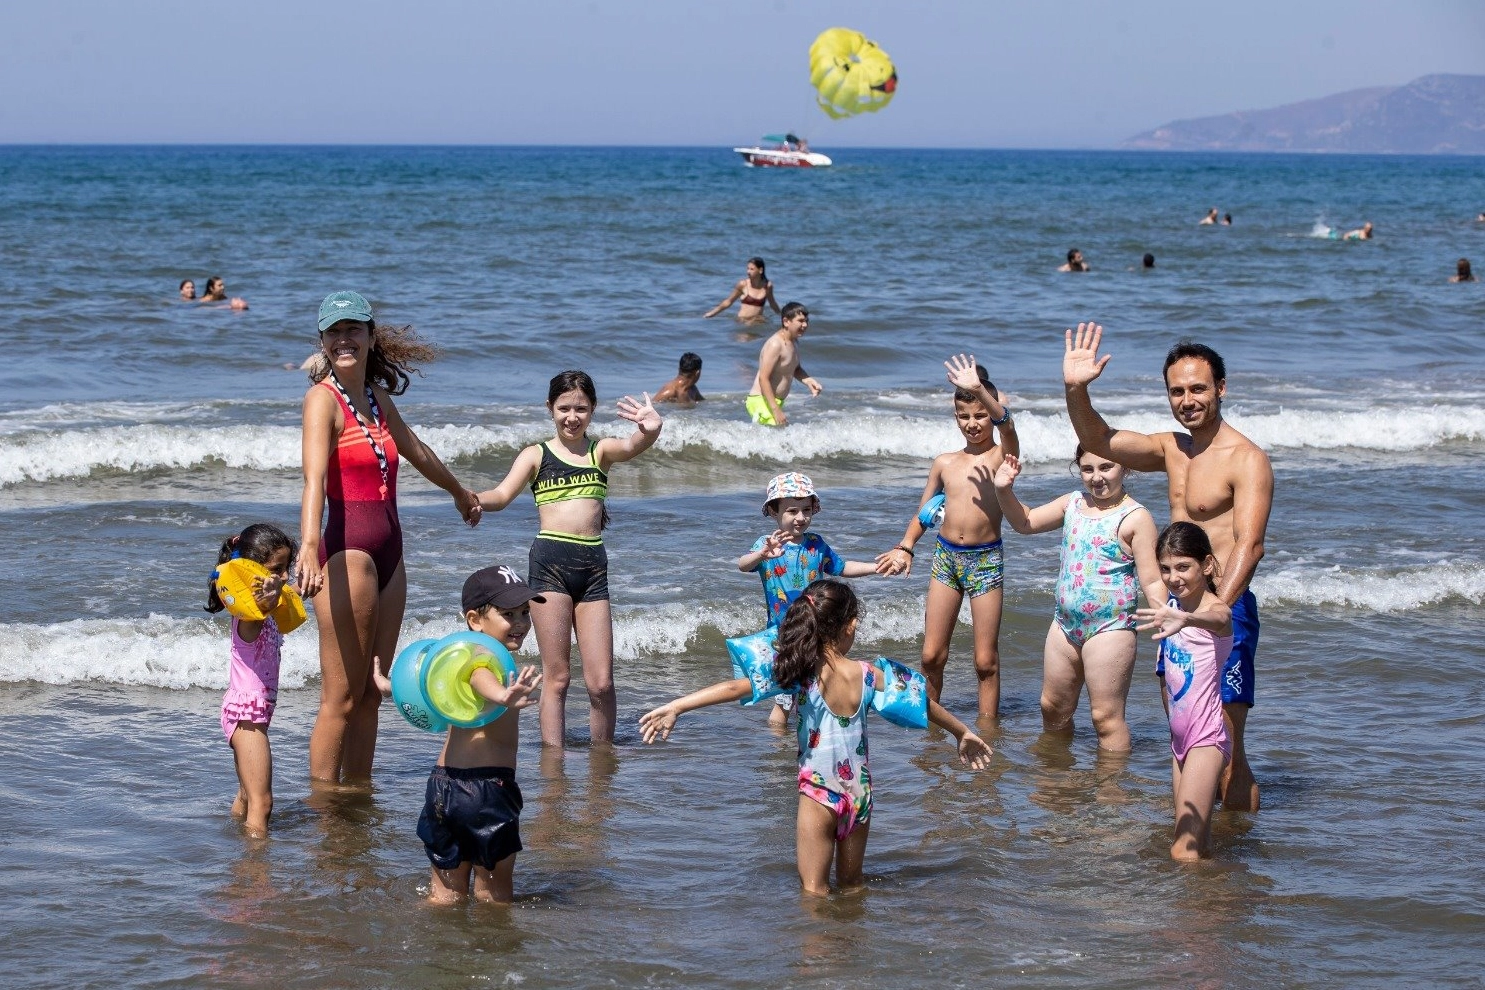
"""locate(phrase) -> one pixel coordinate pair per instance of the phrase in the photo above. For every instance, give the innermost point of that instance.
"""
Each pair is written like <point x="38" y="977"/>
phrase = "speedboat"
<point x="782" y="151"/>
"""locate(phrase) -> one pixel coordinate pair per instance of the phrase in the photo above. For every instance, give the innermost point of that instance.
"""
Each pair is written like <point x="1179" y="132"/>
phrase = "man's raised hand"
<point x="1080" y="361"/>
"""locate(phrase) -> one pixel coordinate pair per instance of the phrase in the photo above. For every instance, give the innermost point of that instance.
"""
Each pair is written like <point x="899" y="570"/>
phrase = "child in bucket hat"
<point x="791" y="557"/>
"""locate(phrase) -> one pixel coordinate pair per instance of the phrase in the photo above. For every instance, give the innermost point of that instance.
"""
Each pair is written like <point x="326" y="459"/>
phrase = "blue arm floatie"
<point x="932" y="512"/>
<point x="900" y="695"/>
<point x="752" y="657"/>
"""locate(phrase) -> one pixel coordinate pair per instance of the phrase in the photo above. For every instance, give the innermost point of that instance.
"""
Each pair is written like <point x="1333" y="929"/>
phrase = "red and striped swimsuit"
<point x="362" y="516"/>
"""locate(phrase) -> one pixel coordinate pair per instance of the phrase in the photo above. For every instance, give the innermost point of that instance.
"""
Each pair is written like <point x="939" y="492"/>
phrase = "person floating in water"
<point x="1209" y="219"/>
<point x="1462" y="272"/>
<point x="187" y="291"/>
<point x="216" y="291"/>
<point x="682" y="388"/>
<point x="1148" y="262"/>
<point x="1227" y="219"/>
<point x="1362" y="233"/>
<point x="1075" y="262"/>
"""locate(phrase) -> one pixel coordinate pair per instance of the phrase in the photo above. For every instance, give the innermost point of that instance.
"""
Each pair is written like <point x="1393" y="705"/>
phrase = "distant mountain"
<point x="1432" y="115"/>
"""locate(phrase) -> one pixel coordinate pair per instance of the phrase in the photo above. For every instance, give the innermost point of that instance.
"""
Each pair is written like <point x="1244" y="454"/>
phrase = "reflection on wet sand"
<point x="564" y="828"/>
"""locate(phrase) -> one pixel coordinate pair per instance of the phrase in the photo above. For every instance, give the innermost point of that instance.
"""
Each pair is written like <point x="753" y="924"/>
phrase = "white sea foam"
<point x="49" y="455"/>
<point x="46" y="456"/>
<point x="168" y="652"/>
<point x="1373" y="590"/>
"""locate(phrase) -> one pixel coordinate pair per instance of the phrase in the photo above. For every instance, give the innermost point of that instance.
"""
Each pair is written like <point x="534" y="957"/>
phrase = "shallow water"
<point x="139" y="432"/>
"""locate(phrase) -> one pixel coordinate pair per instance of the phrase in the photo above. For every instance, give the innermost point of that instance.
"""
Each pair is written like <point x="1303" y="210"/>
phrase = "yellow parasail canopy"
<point x="850" y="73"/>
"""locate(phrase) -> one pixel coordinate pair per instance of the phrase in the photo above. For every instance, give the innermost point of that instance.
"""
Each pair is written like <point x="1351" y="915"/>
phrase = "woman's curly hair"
<point x="396" y="353"/>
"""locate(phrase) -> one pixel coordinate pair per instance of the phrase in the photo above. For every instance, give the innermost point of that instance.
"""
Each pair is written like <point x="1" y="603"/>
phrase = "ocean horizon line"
<point x="473" y="146"/>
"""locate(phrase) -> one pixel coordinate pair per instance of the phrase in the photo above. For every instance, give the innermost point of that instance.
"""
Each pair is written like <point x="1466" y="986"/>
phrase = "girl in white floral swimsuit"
<point x="832" y="692"/>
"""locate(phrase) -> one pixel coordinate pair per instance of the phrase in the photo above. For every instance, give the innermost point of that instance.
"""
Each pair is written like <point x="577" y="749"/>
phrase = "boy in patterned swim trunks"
<point x="967" y="559"/>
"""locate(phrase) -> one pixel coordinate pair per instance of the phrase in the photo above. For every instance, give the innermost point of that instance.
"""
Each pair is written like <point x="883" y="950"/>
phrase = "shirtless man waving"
<point x="1218" y="479"/>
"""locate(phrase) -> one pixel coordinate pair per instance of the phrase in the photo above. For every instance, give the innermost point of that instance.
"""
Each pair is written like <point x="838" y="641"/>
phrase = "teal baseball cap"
<point x="343" y="305"/>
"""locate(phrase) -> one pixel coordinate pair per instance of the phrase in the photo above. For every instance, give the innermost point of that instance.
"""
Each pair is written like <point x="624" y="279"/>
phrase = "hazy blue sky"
<point x="974" y="73"/>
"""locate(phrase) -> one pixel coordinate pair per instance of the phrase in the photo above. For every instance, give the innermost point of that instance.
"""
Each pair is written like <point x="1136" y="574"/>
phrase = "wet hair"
<point x="1185" y="539"/>
<point x="965" y="395"/>
<point x="214" y="283"/>
<point x="1463" y="268"/>
<point x="1071" y="254"/>
<point x="395" y="354"/>
<point x="690" y="363"/>
<point x="566" y="381"/>
<point x="1188" y="348"/>
<point x="1149" y="260"/>
<point x="815" y="619"/>
<point x="791" y="310"/>
<point x="1227" y="218"/>
<point x="185" y="282"/>
<point x="258" y="542"/>
<point x="762" y="267"/>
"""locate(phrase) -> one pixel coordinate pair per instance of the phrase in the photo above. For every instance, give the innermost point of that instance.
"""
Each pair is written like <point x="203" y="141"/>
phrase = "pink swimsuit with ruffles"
<point x="252" y="679"/>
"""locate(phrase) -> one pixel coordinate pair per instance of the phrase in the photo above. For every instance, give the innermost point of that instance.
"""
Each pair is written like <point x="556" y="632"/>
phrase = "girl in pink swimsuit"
<point x="1108" y="555"/>
<point x="1195" y="634"/>
<point x="832" y="693"/>
<point x="252" y="678"/>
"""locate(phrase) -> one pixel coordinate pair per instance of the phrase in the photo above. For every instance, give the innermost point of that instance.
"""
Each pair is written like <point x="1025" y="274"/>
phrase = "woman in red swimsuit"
<point x="353" y="441"/>
<point x="755" y="292"/>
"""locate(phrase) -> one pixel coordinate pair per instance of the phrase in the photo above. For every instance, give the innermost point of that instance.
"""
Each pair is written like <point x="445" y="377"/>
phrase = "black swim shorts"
<point x="471" y="815"/>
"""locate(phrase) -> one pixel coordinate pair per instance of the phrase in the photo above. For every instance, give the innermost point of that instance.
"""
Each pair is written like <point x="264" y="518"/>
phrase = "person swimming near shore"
<point x="1075" y="262"/>
<point x="1227" y="219"/>
<point x="1362" y="233"/>
<point x="1209" y="220"/>
<point x="1148" y="261"/>
<point x="1462" y="272"/>
<point x="216" y="291"/>
<point x="682" y="388"/>
<point x="187" y="290"/>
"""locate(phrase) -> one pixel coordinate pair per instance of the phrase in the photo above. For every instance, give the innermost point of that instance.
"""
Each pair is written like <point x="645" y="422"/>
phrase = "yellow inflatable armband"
<point x="234" y="581"/>
<point x="850" y="73"/>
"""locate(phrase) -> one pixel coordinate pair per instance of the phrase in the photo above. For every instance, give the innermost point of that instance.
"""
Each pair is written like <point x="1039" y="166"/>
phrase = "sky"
<point x="973" y="73"/>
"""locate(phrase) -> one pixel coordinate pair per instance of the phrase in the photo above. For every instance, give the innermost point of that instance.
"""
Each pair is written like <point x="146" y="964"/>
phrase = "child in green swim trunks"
<point x="779" y="368"/>
<point x="967" y="559"/>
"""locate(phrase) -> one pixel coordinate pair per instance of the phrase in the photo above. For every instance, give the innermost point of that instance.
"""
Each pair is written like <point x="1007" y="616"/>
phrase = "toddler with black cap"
<point x="471" y="818"/>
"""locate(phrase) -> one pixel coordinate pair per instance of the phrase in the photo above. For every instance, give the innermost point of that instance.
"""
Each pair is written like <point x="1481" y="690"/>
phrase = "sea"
<point x="136" y="432"/>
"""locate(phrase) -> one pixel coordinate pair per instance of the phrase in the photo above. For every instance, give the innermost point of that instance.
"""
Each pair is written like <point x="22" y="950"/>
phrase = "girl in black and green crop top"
<point x="568" y="478"/>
